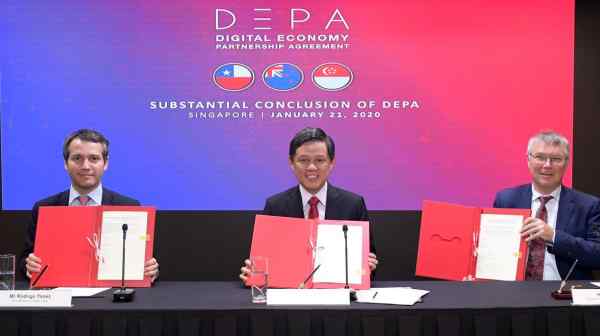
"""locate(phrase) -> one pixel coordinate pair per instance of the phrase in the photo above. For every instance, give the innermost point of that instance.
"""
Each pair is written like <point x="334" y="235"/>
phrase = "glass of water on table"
<point x="259" y="278"/>
<point x="7" y="271"/>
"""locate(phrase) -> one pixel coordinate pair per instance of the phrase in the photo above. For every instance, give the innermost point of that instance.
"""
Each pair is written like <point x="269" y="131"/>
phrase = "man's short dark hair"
<point x="87" y="135"/>
<point x="310" y="134"/>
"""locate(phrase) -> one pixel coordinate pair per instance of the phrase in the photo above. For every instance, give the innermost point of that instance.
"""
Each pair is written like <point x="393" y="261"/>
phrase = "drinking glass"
<point x="259" y="273"/>
<point x="7" y="271"/>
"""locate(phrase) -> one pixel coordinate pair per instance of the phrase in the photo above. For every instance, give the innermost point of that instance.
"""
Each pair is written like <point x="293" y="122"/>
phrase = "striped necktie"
<point x="537" y="247"/>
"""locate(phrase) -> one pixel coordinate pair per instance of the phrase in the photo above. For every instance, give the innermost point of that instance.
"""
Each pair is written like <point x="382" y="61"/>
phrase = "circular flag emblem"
<point x="283" y="76"/>
<point x="233" y="77"/>
<point x="332" y="76"/>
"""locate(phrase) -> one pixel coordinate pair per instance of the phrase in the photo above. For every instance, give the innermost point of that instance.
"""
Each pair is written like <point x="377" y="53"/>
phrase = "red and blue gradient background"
<point x="488" y="74"/>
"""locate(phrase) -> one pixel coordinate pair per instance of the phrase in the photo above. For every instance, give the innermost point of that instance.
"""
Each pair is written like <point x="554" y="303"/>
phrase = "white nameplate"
<point x="335" y="297"/>
<point x="35" y="298"/>
<point x="585" y="297"/>
<point x="84" y="291"/>
<point x="391" y="295"/>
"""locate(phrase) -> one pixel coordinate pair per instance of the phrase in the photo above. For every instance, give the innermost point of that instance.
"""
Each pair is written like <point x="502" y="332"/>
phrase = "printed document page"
<point x="498" y="250"/>
<point x="111" y="245"/>
<point x="330" y="254"/>
<point x="391" y="295"/>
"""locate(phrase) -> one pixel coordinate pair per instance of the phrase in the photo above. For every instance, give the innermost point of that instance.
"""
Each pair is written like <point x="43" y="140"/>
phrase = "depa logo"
<point x="226" y="18"/>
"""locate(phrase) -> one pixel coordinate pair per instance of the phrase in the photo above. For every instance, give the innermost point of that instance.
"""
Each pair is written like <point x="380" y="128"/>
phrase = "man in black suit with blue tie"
<point x="566" y="223"/>
<point x="86" y="159"/>
<point x="312" y="158"/>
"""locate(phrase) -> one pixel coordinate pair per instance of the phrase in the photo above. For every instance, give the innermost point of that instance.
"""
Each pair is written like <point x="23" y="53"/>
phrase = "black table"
<point x="224" y="308"/>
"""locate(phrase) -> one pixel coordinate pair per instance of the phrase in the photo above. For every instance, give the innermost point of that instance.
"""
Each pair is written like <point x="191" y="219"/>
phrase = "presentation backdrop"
<point x="424" y="99"/>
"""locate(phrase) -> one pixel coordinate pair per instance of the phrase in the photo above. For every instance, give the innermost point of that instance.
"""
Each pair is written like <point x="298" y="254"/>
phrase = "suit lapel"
<point x="295" y="206"/>
<point x="63" y="198"/>
<point x="525" y="196"/>
<point x="565" y="209"/>
<point x="107" y="197"/>
<point x="330" y="208"/>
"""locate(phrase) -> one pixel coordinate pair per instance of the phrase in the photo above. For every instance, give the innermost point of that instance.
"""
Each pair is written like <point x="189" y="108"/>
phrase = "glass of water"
<point x="259" y="278"/>
<point x="7" y="271"/>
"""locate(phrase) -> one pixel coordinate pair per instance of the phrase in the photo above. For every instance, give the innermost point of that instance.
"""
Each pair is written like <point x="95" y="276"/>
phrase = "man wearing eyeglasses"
<point x="312" y="158"/>
<point x="565" y="223"/>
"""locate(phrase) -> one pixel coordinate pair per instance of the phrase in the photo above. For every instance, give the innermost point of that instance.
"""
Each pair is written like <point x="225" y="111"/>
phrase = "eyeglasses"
<point x="305" y="163"/>
<point x="542" y="159"/>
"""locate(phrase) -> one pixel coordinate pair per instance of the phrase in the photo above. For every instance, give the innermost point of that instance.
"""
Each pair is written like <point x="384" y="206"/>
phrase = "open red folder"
<point x="449" y="241"/>
<point x="68" y="240"/>
<point x="290" y="245"/>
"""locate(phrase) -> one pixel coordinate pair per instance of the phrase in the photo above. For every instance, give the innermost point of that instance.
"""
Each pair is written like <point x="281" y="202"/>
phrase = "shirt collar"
<point x="555" y="194"/>
<point x="95" y="195"/>
<point x="321" y="194"/>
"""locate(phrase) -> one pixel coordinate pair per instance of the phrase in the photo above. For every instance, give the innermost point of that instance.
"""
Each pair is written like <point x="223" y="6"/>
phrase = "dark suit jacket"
<point x="577" y="234"/>
<point x="341" y="205"/>
<point x="109" y="197"/>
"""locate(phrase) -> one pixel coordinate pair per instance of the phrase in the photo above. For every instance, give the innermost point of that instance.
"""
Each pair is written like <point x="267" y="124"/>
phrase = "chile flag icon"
<point x="233" y="77"/>
<point x="332" y="76"/>
<point x="283" y="76"/>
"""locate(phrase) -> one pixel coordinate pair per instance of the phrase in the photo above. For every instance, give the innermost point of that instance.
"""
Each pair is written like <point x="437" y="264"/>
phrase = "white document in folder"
<point x="111" y="245"/>
<point x="330" y="254"/>
<point x="498" y="249"/>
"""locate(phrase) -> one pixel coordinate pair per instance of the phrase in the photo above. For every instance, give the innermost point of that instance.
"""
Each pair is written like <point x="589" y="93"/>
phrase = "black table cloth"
<point x="224" y="308"/>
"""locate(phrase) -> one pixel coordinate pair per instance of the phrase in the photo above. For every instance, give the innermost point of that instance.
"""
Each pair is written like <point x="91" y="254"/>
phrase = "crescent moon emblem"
<point x="328" y="70"/>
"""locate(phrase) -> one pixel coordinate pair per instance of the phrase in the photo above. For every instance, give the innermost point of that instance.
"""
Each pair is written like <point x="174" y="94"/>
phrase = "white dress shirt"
<point x="95" y="197"/>
<point x="321" y="195"/>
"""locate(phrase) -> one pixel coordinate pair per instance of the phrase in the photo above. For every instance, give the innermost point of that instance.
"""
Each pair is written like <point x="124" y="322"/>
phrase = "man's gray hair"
<point x="549" y="138"/>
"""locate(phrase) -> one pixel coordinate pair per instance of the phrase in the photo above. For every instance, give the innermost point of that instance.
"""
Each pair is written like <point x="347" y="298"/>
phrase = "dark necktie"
<point x="313" y="212"/>
<point x="537" y="247"/>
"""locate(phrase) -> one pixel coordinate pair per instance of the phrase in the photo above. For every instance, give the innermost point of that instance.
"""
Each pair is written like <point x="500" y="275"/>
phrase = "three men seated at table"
<point x="565" y="226"/>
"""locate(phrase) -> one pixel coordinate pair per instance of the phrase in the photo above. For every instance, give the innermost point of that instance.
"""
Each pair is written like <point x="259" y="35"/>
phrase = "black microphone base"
<point x="123" y="295"/>
<point x="565" y="294"/>
<point x="353" y="295"/>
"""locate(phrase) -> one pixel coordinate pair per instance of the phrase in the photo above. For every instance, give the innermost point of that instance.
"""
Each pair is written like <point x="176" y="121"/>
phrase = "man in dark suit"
<point x="341" y="205"/>
<point x="566" y="223"/>
<point x="86" y="159"/>
<point x="312" y="158"/>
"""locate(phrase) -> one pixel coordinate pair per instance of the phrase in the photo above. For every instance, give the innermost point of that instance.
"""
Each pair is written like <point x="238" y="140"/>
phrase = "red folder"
<point x="62" y="243"/>
<point x="288" y="244"/>
<point x="448" y="240"/>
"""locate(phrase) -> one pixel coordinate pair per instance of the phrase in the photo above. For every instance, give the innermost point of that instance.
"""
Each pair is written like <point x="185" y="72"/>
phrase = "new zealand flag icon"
<point x="283" y="76"/>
